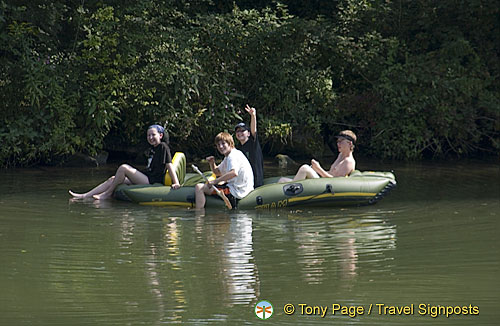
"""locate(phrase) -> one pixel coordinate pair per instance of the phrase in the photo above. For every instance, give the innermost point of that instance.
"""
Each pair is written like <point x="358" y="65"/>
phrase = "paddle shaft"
<point x="219" y="193"/>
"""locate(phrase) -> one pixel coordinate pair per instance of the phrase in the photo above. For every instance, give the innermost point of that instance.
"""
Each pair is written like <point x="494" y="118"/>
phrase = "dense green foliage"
<point x="412" y="78"/>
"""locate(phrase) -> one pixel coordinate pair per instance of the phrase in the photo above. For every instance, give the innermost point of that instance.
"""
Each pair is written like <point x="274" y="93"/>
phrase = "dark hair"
<point x="161" y="130"/>
<point x="241" y="125"/>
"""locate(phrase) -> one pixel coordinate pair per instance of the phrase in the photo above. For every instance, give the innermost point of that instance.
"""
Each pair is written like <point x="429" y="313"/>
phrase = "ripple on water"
<point x="433" y="240"/>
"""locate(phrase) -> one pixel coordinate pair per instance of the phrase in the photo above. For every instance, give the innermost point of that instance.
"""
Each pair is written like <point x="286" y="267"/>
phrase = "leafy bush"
<point x="36" y="111"/>
<point x="411" y="78"/>
<point x="436" y="103"/>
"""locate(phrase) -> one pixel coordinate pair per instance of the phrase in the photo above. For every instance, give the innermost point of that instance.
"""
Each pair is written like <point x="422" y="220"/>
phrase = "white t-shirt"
<point x="241" y="185"/>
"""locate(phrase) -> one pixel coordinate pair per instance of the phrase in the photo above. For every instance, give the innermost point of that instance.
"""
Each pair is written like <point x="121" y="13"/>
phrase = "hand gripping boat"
<point x="360" y="188"/>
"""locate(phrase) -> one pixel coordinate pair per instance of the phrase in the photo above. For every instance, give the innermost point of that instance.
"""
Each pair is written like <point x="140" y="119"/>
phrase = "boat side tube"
<point x="359" y="190"/>
<point x="363" y="188"/>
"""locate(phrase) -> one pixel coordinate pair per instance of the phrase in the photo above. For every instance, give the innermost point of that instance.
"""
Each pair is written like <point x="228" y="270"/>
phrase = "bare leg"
<point x="199" y="195"/>
<point x="123" y="173"/>
<point x="97" y="190"/>
<point x="200" y="190"/>
<point x="305" y="172"/>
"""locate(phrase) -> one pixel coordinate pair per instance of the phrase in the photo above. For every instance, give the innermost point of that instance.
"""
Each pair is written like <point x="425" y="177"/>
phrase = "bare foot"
<point x="104" y="195"/>
<point x="77" y="196"/>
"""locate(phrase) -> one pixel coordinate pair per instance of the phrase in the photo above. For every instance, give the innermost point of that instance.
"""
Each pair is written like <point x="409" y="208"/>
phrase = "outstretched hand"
<point x="175" y="186"/>
<point x="251" y="110"/>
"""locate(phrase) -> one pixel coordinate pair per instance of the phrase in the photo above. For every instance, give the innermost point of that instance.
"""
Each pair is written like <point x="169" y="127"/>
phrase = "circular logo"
<point x="264" y="309"/>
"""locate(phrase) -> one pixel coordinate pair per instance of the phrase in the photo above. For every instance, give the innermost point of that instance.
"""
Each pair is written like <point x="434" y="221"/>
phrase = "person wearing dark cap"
<point x="250" y="146"/>
<point x="342" y="167"/>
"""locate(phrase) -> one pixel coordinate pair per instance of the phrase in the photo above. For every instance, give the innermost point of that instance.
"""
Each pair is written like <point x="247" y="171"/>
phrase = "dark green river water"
<point x="434" y="241"/>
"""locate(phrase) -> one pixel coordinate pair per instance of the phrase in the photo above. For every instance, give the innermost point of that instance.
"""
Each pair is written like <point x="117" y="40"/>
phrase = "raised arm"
<point x="253" y="119"/>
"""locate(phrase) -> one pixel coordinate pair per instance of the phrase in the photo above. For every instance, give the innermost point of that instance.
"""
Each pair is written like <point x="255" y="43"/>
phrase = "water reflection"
<point x="163" y="271"/>
<point x="433" y="240"/>
<point x="241" y="273"/>
<point x="332" y="246"/>
<point x="230" y="237"/>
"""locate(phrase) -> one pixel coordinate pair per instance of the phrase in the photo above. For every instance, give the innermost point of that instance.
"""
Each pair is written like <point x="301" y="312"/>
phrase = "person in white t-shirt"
<point x="235" y="170"/>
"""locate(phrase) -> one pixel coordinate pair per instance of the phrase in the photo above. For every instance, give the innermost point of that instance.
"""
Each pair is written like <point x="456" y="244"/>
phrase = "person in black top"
<point x="159" y="160"/>
<point x="250" y="146"/>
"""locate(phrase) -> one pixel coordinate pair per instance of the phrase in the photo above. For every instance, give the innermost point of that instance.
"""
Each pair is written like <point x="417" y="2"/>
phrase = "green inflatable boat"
<point x="360" y="188"/>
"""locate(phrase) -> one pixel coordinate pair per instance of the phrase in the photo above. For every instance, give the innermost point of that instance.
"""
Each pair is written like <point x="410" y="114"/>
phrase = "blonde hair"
<point x="224" y="136"/>
<point x="350" y="134"/>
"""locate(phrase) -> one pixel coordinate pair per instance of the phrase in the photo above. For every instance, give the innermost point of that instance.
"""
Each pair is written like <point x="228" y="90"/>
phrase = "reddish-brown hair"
<point x="224" y="136"/>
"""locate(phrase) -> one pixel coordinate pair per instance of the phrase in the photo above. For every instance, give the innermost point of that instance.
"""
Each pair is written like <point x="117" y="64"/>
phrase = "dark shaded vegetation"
<point x="411" y="78"/>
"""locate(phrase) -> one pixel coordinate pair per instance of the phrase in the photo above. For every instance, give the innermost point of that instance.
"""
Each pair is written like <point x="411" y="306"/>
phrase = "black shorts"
<point x="225" y="189"/>
<point x="155" y="179"/>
